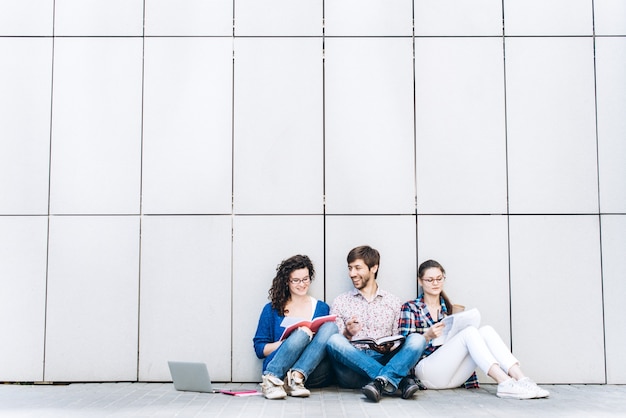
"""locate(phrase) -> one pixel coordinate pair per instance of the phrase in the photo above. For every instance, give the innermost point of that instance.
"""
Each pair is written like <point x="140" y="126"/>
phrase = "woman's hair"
<point x="279" y="292"/>
<point x="434" y="264"/>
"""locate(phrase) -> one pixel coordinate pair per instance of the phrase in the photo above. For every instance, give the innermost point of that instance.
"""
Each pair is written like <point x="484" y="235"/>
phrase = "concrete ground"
<point x="162" y="400"/>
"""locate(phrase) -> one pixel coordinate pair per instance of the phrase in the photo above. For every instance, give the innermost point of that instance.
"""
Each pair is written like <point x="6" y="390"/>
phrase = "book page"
<point x="289" y="321"/>
<point x="456" y="323"/>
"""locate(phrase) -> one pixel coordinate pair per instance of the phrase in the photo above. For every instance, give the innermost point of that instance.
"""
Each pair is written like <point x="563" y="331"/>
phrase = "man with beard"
<point x="368" y="311"/>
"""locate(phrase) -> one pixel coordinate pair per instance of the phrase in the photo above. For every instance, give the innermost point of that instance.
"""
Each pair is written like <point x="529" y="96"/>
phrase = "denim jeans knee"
<point x="416" y="342"/>
<point x="326" y="330"/>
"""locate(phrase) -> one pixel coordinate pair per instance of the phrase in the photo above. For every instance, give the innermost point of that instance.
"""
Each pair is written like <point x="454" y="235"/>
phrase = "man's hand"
<point x="353" y="327"/>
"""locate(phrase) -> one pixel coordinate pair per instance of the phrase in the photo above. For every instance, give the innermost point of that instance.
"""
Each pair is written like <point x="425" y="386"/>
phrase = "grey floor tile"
<point x="158" y="400"/>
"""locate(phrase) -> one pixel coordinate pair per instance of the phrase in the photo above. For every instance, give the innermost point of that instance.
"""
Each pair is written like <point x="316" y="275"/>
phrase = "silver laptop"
<point x="191" y="376"/>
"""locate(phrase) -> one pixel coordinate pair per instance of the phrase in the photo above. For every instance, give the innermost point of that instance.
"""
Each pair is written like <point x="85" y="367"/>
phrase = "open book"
<point x="313" y="325"/>
<point x="457" y="322"/>
<point x="382" y="344"/>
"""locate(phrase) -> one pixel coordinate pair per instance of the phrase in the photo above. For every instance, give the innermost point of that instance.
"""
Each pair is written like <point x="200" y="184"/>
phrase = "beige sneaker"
<point x="295" y="386"/>
<point x="539" y="392"/>
<point x="273" y="387"/>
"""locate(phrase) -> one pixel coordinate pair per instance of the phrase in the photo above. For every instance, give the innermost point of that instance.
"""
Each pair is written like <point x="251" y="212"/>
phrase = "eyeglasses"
<point x="431" y="280"/>
<point x="304" y="280"/>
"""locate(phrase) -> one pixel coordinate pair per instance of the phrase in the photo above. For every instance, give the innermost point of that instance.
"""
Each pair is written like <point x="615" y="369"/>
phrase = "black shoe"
<point x="408" y="386"/>
<point x="373" y="390"/>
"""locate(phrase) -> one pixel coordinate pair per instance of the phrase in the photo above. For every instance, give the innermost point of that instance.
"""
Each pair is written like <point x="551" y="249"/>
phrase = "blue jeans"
<point x="299" y="354"/>
<point x="355" y="368"/>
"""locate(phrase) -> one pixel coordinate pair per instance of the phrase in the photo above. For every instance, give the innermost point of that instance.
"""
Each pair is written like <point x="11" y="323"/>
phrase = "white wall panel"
<point x="23" y="297"/>
<point x="261" y="243"/>
<point x="26" y="17"/>
<point x="369" y="157"/>
<point x="189" y="17"/>
<point x="98" y="18"/>
<point x="609" y="17"/>
<point x="175" y="133"/>
<point x="392" y="236"/>
<point x="548" y="17"/>
<point x="556" y="298"/>
<point x="278" y="18"/>
<point x="368" y="18"/>
<point x="185" y="294"/>
<point x="93" y="286"/>
<point x="278" y="140"/>
<point x="614" y="289"/>
<point x="187" y="157"/>
<point x="474" y="252"/>
<point x="96" y="126"/>
<point x="25" y="90"/>
<point x="611" y="99"/>
<point x="551" y="125"/>
<point x="458" y="18"/>
<point x="460" y="133"/>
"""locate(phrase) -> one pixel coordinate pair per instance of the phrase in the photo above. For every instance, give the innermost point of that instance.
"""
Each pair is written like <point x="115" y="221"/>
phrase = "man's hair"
<point x="369" y="255"/>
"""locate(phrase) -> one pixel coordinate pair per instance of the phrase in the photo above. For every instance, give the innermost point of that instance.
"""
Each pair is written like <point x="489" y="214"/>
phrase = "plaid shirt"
<point x="415" y="317"/>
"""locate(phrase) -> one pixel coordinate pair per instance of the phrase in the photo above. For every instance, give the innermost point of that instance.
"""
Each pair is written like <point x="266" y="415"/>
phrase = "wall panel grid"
<point x="158" y="159"/>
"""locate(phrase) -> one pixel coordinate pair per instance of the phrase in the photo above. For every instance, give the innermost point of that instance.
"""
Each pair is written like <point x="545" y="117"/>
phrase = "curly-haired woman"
<point x="301" y="357"/>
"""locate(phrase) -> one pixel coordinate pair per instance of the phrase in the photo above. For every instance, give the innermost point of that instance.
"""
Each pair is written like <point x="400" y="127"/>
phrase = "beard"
<point x="361" y="282"/>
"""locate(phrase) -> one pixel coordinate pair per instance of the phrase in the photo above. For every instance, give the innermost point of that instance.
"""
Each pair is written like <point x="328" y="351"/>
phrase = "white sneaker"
<point x="273" y="387"/>
<point x="539" y="392"/>
<point x="295" y="386"/>
<point x="511" y="389"/>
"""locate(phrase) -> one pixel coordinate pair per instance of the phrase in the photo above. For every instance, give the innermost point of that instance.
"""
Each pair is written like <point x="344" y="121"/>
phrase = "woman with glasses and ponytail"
<point x="290" y="361"/>
<point x="453" y="364"/>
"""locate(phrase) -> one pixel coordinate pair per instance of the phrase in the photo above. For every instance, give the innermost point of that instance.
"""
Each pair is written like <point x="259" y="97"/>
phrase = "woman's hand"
<point x="353" y="327"/>
<point x="434" y="331"/>
<point x="271" y="347"/>
<point x="308" y="331"/>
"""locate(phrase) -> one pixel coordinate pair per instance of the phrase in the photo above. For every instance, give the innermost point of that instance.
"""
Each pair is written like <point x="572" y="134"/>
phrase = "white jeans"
<point x="455" y="361"/>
